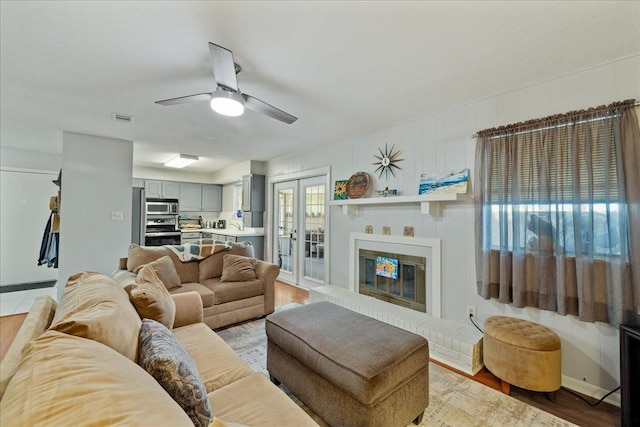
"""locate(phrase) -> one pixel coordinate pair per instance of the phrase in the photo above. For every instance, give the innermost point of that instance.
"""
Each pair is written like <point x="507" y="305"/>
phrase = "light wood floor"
<point x="566" y="405"/>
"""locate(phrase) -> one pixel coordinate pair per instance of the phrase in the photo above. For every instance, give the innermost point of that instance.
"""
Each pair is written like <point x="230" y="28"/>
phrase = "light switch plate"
<point x="117" y="216"/>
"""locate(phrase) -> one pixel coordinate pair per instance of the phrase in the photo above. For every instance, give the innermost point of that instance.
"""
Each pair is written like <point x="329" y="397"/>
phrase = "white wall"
<point x="24" y="204"/>
<point x="442" y="142"/>
<point x="96" y="181"/>
<point x="169" y="174"/>
<point x="24" y="212"/>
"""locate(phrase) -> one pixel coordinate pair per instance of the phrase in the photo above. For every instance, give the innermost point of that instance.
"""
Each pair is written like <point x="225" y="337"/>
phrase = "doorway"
<point x="299" y="229"/>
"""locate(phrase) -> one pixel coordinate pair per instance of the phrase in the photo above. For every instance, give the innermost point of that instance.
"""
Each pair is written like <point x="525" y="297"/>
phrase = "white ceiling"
<point x="343" y="68"/>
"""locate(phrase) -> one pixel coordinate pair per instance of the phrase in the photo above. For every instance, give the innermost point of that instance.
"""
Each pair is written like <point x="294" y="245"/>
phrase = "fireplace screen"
<point x="395" y="278"/>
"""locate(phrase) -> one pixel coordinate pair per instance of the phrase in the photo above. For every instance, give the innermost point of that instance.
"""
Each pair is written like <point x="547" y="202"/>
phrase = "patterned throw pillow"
<point x="175" y="370"/>
<point x="236" y="268"/>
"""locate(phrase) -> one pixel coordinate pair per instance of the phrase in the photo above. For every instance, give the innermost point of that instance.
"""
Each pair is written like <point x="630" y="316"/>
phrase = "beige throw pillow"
<point x="95" y="307"/>
<point x="236" y="268"/>
<point x="141" y="255"/>
<point x="151" y="298"/>
<point x="166" y="272"/>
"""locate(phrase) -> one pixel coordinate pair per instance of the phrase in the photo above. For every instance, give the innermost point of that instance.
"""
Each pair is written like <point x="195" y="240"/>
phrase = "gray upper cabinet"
<point x="162" y="189"/>
<point x="137" y="183"/>
<point x="190" y="197"/>
<point x="211" y="198"/>
<point x="200" y="197"/>
<point x="253" y="187"/>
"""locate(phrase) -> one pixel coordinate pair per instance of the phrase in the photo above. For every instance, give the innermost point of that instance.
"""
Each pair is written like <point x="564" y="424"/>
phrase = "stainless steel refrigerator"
<point x="138" y="216"/>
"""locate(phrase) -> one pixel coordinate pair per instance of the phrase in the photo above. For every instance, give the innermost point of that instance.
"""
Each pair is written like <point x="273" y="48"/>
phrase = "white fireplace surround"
<point x="425" y="247"/>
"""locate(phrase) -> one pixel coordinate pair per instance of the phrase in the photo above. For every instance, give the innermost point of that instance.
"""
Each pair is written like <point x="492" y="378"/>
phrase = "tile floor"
<point x="21" y="301"/>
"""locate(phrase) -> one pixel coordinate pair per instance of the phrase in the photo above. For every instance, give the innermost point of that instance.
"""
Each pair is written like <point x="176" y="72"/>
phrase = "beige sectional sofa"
<point x="75" y="363"/>
<point x="224" y="302"/>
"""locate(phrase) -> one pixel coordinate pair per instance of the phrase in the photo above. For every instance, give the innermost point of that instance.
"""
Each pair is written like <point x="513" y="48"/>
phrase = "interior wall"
<point x="24" y="212"/>
<point x="96" y="188"/>
<point x="26" y="186"/>
<point x="443" y="142"/>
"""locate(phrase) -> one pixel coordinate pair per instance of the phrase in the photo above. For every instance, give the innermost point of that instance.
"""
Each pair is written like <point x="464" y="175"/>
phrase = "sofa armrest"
<point x="268" y="272"/>
<point x="35" y="323"/>
<point x="188" y="309"/>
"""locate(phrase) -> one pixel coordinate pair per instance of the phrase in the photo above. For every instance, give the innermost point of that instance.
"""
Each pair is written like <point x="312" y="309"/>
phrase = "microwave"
<point x="162" y="206"/>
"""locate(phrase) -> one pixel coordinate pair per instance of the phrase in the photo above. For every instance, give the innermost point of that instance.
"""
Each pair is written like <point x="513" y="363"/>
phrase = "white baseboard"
<point x="590" y="390"/>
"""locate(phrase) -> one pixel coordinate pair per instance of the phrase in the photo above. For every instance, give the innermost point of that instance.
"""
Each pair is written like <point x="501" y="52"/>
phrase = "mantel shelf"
<point x="429" y="203"/>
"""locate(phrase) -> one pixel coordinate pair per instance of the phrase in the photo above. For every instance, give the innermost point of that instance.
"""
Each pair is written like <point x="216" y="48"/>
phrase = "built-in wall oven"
<point x="162" y="229"/>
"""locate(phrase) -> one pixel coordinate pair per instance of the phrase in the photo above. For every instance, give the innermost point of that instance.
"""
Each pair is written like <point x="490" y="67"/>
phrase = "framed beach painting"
<point x="452" y="182"/>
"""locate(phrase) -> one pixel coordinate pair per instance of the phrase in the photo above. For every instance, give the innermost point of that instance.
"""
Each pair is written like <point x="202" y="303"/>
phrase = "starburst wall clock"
<point x="387" y="161"/>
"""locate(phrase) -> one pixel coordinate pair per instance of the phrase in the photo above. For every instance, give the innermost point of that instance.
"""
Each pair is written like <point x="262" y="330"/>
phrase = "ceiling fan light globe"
<point x="227" y="103"/>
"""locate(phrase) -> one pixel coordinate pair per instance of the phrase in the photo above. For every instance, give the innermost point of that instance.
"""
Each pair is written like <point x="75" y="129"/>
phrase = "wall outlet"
<point x="471" y="311"/>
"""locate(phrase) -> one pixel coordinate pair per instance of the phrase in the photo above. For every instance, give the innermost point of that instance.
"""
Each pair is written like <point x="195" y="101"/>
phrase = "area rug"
<point x="454" y="400"/>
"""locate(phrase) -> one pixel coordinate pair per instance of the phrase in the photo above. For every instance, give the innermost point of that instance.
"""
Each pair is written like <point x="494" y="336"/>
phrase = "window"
<point x="556" y="201"/>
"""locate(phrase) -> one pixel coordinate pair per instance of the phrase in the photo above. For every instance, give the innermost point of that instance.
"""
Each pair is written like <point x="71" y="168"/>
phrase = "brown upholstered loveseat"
<point x="224" y="302"/>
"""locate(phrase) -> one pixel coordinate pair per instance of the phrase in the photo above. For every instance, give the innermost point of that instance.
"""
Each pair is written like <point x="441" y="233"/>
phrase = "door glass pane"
<point x="285" y="229"/>
<point x="314" y="221"/>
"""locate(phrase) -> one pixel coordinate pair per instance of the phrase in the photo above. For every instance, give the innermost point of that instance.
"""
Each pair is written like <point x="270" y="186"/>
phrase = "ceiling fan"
<point x="227" y="98"/>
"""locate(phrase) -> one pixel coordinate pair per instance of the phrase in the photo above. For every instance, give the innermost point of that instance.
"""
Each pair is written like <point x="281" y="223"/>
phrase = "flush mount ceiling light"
<point x="181" y="161"/>
<point x="227" y="103"/>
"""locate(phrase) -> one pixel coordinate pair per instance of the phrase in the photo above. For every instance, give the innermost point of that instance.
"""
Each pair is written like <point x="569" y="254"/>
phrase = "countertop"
<point x="233" y="232"/>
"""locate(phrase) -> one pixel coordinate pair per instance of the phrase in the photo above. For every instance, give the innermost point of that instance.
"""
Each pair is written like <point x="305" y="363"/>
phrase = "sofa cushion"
<point x="208" y="299"/>
<point x="141" y="255"/>
<point x="94" y="306"/>
<point x="173" y="367"/>
<point x="236" y="268"/>
<point x="165" y="270"/>
<point x="270" y="407"/>
<point x="212" y="266"/>
<point x="151" y="299"/>
<point x="68" y="380"/>
<point x="233" y="291"/>
<point x="218" y="365"/>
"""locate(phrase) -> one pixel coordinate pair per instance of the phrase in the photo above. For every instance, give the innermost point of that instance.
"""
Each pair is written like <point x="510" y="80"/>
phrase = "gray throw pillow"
<point x="162" y="356"/>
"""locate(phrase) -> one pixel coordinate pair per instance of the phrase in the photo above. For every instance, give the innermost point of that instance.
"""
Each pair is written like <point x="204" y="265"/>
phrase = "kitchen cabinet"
<point x="256" y="241"/>
<point x="162" y="189"/>
<point x="190" y="197"/>
<point x="253" y="188"/>
<point x="200" y="197"/>
<point x="211" y="198"/>
<point x="137" y="183"/>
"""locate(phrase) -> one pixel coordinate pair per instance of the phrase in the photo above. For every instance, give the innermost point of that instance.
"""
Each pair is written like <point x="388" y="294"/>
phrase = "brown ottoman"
<point x="523" y="353"/>
<point x="350" y="369"/>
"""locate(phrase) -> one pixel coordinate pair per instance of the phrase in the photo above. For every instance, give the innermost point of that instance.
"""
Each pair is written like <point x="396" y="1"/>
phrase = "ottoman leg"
<point x="418" y="419"/>
<point x="550" y="395"/>
<point x="505" y="386"/>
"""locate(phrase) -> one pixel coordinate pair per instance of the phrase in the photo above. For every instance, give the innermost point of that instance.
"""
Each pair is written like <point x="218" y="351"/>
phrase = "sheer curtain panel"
<point x="557" y="214"/>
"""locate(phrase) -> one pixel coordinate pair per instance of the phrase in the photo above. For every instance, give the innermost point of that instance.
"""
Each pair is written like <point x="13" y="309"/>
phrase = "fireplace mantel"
<point x="435" y="245"/>
<point x="429" y="203"/>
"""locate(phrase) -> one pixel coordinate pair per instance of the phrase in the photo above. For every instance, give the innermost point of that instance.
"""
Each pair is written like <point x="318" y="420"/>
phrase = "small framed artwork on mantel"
<point x="407" y="231"/>
<point x="340" y="190"/>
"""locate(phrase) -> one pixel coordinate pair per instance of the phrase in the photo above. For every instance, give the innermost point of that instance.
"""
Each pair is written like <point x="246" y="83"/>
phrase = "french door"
<point x="300" y="230"/>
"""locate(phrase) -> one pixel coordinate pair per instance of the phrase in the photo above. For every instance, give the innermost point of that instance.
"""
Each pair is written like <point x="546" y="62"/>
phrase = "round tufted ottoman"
<point x="523" y="353"/>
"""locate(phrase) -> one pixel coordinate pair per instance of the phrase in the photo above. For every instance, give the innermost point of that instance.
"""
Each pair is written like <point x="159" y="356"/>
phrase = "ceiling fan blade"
<point x="224" y="70"/>
<point x="183" y="99"/>
<point x="269" y="110"/>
